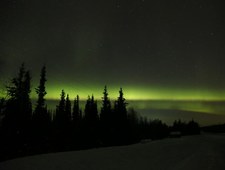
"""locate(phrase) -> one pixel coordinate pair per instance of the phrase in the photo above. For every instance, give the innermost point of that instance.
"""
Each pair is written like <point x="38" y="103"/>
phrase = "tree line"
<point x="25" y="131"/>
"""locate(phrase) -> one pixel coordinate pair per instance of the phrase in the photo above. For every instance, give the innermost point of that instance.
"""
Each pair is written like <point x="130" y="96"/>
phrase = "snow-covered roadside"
<point x="192" y="152"/>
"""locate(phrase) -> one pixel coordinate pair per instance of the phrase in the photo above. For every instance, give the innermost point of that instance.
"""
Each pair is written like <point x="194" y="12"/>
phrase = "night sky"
<point x="154" y="49"/>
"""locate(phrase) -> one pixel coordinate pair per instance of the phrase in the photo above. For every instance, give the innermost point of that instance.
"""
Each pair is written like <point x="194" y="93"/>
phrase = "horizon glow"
<point x="135" y="93"/>
<point x="142" y="98"/>
<point x="130" y="92"/>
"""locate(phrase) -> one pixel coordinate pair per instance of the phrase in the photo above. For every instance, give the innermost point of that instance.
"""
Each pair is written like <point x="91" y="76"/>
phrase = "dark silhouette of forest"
<point x="26" y="131"/>
<point x="219" y="128"/>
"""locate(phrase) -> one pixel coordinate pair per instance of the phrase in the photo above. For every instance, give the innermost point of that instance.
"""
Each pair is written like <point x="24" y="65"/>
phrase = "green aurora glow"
<point x="136" y="92"/>
<point x="131" y="92"/>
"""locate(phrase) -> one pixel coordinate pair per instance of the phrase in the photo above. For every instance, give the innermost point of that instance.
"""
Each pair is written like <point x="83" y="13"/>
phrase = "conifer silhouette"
<point x="61" y="117"/>
<point x="115" y="125"/>
<point x="18" y="107"/>
<point x="68" y="108"/>
<point x="121" y="121"/>
<point x="40" y="90"/>
<point x="91" y="121"/>
<point x="41" y="117"/>
<point x="91" y="111"/>
<point x="107" y="119"/>
<point x="105" y="114"/>
<point x="77" y="114"/>
<point x="120" y="108"/>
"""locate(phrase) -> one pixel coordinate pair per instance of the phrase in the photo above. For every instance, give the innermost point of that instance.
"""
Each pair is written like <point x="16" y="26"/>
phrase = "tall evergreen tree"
<point x="121" y="119"/>
<point x="105" y="114"/>
<point x="60" y="109"/>
<point x="18" y="107"/>
<point x="77" y="115"/>
<point x="27" y="105"/>
<point x="107" y="120"/>
<point x="91" y="111"/>
<point x="68" y="108"/>
<point x="91" y="121"/>
<point x="120" y="106"/>
<point x="15" y="90"/>
<point x="40" y="90"/>
<point x="41" y="117"/>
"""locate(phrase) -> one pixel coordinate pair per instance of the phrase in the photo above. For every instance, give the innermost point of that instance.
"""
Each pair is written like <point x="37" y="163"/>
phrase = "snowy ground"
<point x="194" y="152"/>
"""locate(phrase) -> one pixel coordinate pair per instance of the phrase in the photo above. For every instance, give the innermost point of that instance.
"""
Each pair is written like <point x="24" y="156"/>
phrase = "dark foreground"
<point x="206" y="151"/>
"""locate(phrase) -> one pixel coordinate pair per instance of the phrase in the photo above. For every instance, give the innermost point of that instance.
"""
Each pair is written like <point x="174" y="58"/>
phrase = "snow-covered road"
<point x="193" y="152"/>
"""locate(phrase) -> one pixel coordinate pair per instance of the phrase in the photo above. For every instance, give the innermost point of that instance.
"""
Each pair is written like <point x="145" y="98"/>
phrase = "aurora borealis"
<point x="141" y="93"/>
<point x="155" y="50"/>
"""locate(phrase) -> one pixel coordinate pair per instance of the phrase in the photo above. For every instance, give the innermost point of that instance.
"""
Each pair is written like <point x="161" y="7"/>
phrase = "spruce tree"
<point x="18" y="109"/>
<point x="91" y="111"/>
<point x="68" y="108"/>
<point x="27" y="105"/>
<point x="120" y="106"/>
<point x="91" y="121"/>
<point x="60" y="109"/>
<point x="106" y="119"/>
<point x="41" y="108"/>
<point x="16" y="88"/>
<point x="121" y="120"/>
<point x="77" y="115"/>
<point x="106" y="107"/>
<point x="41" y="117"/>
